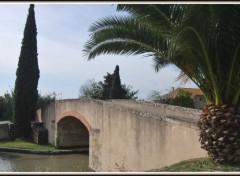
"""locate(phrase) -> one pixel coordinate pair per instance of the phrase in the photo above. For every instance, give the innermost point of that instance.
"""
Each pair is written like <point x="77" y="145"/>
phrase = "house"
<point x="196" y="94"/>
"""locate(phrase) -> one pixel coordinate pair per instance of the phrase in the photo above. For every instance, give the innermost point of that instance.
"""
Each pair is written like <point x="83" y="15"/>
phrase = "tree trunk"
<point x="220" y="132"/>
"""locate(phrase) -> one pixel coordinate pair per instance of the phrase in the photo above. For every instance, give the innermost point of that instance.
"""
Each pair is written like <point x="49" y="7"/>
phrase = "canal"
<point x="19" y="162"/>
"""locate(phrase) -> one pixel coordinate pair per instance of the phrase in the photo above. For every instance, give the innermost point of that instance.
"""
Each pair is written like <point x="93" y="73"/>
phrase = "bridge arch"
<point x="72" y="130"/>
<point x="76" y="115"/>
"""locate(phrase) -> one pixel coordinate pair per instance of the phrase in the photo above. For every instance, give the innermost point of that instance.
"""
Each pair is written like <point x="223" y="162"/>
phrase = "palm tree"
<point x="203" y="42"/>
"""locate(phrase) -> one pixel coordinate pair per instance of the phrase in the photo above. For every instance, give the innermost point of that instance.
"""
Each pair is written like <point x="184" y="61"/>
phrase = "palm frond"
<point x="203" y="41"/>
<point x="124" y="36"/>
<point x="183" y="78"/>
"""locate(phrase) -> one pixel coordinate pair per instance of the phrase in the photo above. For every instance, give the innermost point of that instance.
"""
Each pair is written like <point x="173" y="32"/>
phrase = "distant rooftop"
<point x="173" y="93"/>
<point x="193" y="91"/>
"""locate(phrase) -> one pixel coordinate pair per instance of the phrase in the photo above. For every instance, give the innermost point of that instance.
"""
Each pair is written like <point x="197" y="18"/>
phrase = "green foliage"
<point x="128" y="93"/>
<point x="26" y="144"/>
<point x="91" y="89"/>
<point x="95" y="90"/>
<point x="116" y="90"/>
<point x="44" y="100"/>
<point x="202" y="40"/>
<point x="6" y="106"/>
<point x="105" y="90"/>
<point x="106" y="86"/>
<point x="183" y="101"/>
<point x="2" y="108"/>
<point x="25" y="91"/>
<point x="184" y="93"/>
<point x="183" y="98"/>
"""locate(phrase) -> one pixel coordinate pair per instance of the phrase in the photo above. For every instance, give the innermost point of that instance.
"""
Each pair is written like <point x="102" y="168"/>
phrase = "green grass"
<point x="199" y="165"/>
<point x="23" y="144"/>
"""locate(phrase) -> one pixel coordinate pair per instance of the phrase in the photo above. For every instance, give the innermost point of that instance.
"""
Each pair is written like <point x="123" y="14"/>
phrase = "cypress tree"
<point x="116" y="90"/>
<point x="27" y="75"/>
<point x="107" y="86"/>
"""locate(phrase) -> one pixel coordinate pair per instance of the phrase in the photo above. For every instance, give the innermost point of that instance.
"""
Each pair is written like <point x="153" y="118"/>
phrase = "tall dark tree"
<point x="203" y="41"/>
<point x="103" y="90"/>
<point x="107" y="86"/>
<point x="25" y="91"/>
<point x="116" y="90"/>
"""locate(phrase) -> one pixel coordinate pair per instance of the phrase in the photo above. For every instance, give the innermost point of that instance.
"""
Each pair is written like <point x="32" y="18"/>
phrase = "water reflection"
<point x="17" y="162"/>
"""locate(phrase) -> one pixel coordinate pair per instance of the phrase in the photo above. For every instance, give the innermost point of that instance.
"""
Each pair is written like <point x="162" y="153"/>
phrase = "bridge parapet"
<point x="168" y="117"/>
<point x="141" y="135"/>
<point x="159" y="108"/>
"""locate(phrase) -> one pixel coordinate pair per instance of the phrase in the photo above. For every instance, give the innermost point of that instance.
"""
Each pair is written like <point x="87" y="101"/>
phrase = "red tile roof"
<point x="173" y="93"/>
<point x="193" y="91"/>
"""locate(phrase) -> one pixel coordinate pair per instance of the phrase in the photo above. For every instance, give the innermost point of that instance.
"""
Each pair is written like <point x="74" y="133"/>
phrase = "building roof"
<point x="193" y="91"/>
<point x="173" y="93"/>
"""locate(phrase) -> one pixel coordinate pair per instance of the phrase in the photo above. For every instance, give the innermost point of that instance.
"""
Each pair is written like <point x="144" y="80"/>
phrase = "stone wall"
<point x="47" y="116"/>
<point x="39" y="133"/>
<point x="199" y="101"/>
<point x="72" y="133"/>
<point x="139" y="135"/>
<point x="163" y="109"/>
<point x="143" y="140"/>
<point x="4" y="130"/>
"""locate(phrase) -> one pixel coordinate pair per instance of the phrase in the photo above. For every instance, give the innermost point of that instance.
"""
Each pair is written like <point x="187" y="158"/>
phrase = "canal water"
<point x="19" y="162"/>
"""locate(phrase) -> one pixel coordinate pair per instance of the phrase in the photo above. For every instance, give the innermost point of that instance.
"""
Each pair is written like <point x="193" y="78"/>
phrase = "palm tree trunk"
<point x="220" y="132"/>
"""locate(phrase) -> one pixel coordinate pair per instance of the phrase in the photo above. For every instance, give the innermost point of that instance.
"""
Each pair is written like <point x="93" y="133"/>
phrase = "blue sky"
<point x="62" y="32"/>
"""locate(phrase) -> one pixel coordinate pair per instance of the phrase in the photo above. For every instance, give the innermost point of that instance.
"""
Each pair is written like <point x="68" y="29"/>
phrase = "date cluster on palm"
<point x="220" y="133"/>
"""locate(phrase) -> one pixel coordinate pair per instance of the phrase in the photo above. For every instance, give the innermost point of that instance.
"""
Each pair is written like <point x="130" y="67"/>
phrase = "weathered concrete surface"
<point x="140" y="135"/>
<point x="164" y="109"/>
<point x="72" y="133"/>
<point x="4" y="130"/>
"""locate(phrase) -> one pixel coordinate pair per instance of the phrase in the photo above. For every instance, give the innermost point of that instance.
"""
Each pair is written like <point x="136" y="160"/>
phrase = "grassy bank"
<point x="199" y="165"/>
<point x="21" y="144"/>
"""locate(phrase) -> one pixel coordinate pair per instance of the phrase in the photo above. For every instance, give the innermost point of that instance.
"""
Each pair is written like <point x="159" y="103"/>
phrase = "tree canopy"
<point x="110" y="88"/>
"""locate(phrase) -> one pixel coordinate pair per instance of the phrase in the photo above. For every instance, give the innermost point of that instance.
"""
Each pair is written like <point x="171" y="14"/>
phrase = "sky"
<point x="62" y="32"/>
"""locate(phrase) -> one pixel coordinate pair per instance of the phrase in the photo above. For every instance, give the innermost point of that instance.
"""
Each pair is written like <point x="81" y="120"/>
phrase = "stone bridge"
<point x="137" y="135"/>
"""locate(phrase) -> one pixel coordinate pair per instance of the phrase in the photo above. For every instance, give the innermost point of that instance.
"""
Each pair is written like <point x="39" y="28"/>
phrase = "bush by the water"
<point x="199" y="165"/>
